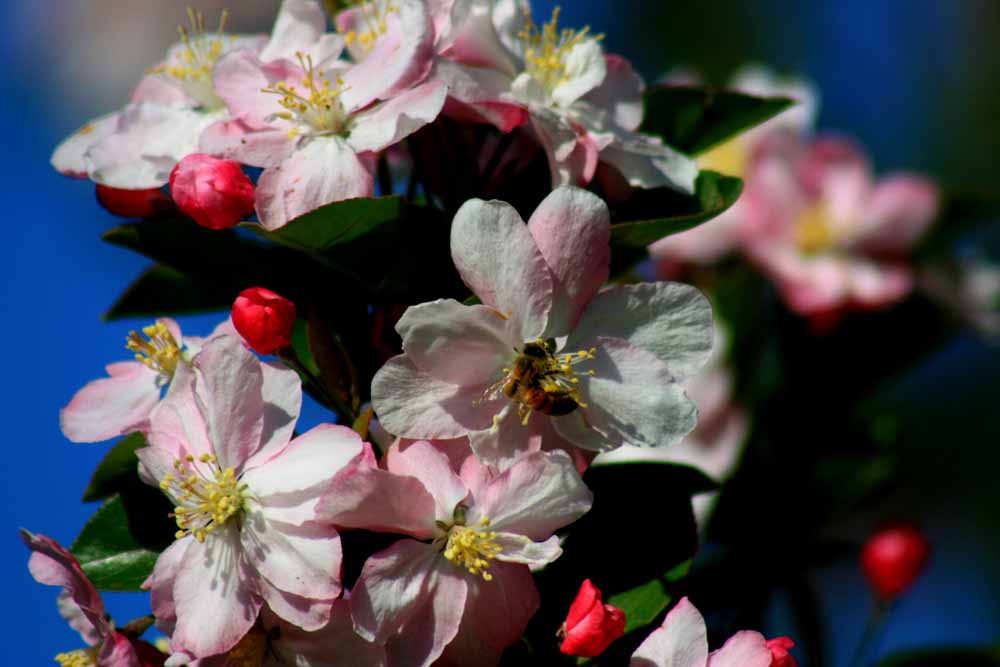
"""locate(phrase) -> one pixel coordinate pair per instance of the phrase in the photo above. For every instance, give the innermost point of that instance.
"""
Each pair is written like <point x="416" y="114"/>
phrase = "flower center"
<point x="371" y="24"/>
<point x="160" y="352"/>
<point x="813" y="231"/>
<point x="542" y="381"/>
<point x="190" y="68"/>
<point x="471" y="549"/>
<point x="317" y="106"/>
<point x="203" y="504"/>
<point x="84" y="657"/>
<point x="546" y="50"/>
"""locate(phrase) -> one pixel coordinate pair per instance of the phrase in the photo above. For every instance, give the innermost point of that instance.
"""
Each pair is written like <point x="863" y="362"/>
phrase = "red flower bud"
<point x="215" y="193"/>
<point x="893" y="558"/>
<point x="264" y="319"/>
<point x="590" y="625"/>
<point x="780" y="657"/>
<point x="133" y="203"/>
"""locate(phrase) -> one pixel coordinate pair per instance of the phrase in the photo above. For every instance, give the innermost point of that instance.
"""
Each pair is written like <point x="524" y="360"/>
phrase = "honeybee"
<point x="530" y="383"/>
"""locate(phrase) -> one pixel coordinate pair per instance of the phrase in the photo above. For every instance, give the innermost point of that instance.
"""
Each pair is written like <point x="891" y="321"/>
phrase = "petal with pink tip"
<point x="472" y="38"/>
<point x="412" y="404"/>
<point x="671" y="320"/>
<point x="111" y="406"/>
<point x="539" y="494"/>
<point x="572" y="229"/>
<point x="425" y="462"/>
<point x="572" y="155"/>
<point x="900" y="210"/>
<point x="336" y="638"/>
<point x="240" y="80"/>
<point x="463" y="345"/>
<point x="281" y="391"/>
<point x="215" y="602"/>
<point x="423" y="638"/>
<point x="620" y="93"/>
<point x="303" y="560"/>
<point x="238" y="139"/>
<point x="680" y="642"/>
<point x="299" y="23"/>
<point x="390" y="122"/>
<point x="646" y="162"/>
<point x="161" y="584"/>
<point x="499" y="261"/>
<point x="117" y="651"/>
<point x="322" y="171"/>
<point x="69" y="157"/>
<point x="875" y="285"/>
<point x="744" y="649"/>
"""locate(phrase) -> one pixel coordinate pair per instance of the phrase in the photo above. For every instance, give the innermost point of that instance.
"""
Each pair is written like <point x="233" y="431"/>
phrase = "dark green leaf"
<point x="651" y="215"/>
<point x="644" y="603"/>
<point x="109" y="554"/>
<point x="335" y="224"/>
<point x="161" y="289"/>
<point x="114" y="471"/>
<point x="694" y="119"/>
<point x="947" y="657"/>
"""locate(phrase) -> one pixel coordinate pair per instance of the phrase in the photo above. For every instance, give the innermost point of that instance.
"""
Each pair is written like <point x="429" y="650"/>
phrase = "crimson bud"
<point x="133" y="203"/>
<point x="780" y="657"/>
<point x="893" y="558"/>
<point x="264" y="319"/>
<point x="215" y="193"/>
<point x="590" y="625"/>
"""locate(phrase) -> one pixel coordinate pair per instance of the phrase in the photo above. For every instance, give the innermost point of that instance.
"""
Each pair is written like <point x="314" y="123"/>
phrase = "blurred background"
<point x="915" y="81"/>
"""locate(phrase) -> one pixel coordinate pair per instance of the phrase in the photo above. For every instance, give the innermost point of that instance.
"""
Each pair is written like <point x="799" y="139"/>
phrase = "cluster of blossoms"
<point x="492" y="408"/>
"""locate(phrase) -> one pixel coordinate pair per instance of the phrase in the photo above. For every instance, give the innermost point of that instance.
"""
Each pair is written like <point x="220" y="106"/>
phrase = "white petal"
<point x="520" y="549"/>
<point x="423" y="461"/>
<point x="680" y="642"/>
<point x="389" y="123"/>
<point x="69" y="156"/>
<point x="281" y="391"/>
<point x="303" y="561"/>
<point x="648" y="163"/>
<point x="585" y="70"/>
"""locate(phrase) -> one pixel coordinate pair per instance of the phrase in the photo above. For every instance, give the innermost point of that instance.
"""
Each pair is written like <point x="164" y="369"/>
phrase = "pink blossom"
<point x="583" y="106"/>
<point x="115" y="405"/>
<point x="825" y="231"/>
<point x="245" y="502"/>
<point x="682" y="641"/>
<point x="462" y="589"/>
<point x="82" y="607"/>
<point x="548" y="356"/>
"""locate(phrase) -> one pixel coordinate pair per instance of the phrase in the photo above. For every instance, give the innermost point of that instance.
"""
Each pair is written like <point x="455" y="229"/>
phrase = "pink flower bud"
<point x="215" y="193"/>
<point x="780" y="657"/>
<point x="264" y="319"/>
<point x="133" y="203"/>
<point x="590" y="625"/>
<point x="893" y="558"/>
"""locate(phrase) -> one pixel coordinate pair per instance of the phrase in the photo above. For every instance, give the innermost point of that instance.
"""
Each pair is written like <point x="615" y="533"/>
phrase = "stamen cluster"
<point x="203" y="504"/>
<point x="160" y="352"/>
<point x="546" y="50"/>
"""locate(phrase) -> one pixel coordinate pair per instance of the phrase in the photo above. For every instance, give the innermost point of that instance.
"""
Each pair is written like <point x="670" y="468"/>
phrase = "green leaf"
<point x="693" y="119"/>
<point x="335" y="224"/>
<point x="945" y="657"/>
<point x="108" y="552"/>
<point x="161" y="289"/>
<point x="642" y="221"/>
<point x="115" y="470"/>
<point x="644" y="603"/>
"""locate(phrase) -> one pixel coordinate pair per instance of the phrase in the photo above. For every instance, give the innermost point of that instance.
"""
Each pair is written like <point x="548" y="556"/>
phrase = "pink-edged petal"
<point x="572" y="156"/>
<point x="146" y="144"/>
<point x="507" y="439"/>
<point x="401" y="57"/>
<point x="299" y="23"/>
<point x="77" y="619"/>
<point x="671" y="320"/>
<point x="301" y="560"/>
<point x="240" y="78"/>
<point x="117" y="651"/>
<point x="572" y="229"/>
<point x="157" y="88"/>
<point x="645" y="162"/>
<point x="69" y="157"/>
<point x="53" y="565"/>
<point x="498" y="259"/>
<point x="536" y="496"/>
<point x="900" y="210"/>
<point x="365" y="496"/>
<point x="496" y="614"/>
<point x="390" y="122"/>
<point x="289" y="484"/>
<point x="472" y="38"/>
<point x="425" y="462"/>
<point x="177" y="426"/>
<point x="238" y="139"/>
<point x="426" y="634"/>
<point x="228" y="390"/>
<point x="413" y="404"/>
<point x="111" y="406"/>
<point x="520" y="549"/>
<point x="632" y="399"/>
<point x="161" y="584"/>
<point x="875" y="285"/>
<point x="303" y="613"/>
<point x="478" y="95"/>
<point x="322" y="171"/>
<point x="459" y="344"/>
<point x="620" y="93"/>
<point x="335" y="639"/>
<point x="282" y="394"/>
<point x="809" y="285"/>
<point x="585" y="69"/>
<point x="215" y="602"/>
<point x="744" y="649"/>
<point x="680" y="642"/>
<point x="394" y="584"/>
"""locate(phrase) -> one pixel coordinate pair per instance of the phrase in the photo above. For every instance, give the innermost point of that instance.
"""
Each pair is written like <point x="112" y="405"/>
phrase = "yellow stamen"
<point x="85" y="657"/>
<point x="813" y="231"/>
<point x="318" y="106"/>
<point x="160" y="352"/>
<point x="546" y="50"/>
<point x="203" y="504"/>
<point x="191" y="66"/>
<point x="472" y="549"/>
<point x="372" y="25"/>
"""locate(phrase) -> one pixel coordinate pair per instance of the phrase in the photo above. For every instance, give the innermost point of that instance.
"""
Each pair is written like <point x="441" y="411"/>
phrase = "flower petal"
<point x="425" y="635"/>
<point x="646" y="162"/>
<point x="680" y="642"/>
<point x="572" y="228"/>
<point x="281" y="392"/>
<point x="499" y="261"/>
<point x="322" y="171"/>
<point x="459" y="344"/>
<point x="389" y="123"/>
<point x="744" y="649"/>
<point x="620" y="92"/>
<point x="69" y="157"/>
<point x="304" y="560"/>
<point x="299" y="23"/>
<point x="336" y="638"/>
<point x="520" y="549"/>
<point x="899" y="211"/>
<point x="671" y="320"/>
<point x="109" y="407"/>
<point x="425" y="462"/>
<point x="161" y="584"/>
<point x="585" y="69"/>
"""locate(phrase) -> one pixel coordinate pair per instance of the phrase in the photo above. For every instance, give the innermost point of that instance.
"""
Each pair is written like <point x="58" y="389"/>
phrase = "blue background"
<point x="914" y="80"/>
